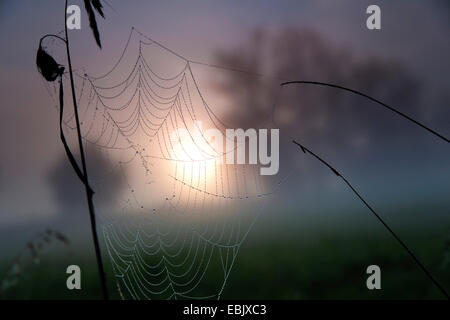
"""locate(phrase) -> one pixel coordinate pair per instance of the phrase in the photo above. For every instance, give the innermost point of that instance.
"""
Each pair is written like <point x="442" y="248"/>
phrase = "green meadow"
<point x="307" y="257"/>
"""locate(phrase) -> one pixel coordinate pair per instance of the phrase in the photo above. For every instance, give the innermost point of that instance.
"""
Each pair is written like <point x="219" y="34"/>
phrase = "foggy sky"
<point x="414" y="33"/>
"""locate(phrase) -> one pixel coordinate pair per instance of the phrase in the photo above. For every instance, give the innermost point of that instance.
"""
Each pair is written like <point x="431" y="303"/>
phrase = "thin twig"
<point x="420" y="264"/>
<point x="372" y="99"/>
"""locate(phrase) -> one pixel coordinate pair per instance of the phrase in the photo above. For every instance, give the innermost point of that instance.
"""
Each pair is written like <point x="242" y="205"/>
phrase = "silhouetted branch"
<point x="420" y="264"/>
<point x="372" y="99"/>
<point x="89" y="192"/>
<point x="72" y="160"/>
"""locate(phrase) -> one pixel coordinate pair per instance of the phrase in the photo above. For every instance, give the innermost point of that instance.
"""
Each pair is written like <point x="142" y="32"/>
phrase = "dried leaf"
<point x="47" y="66"/>
<point x="92" y="21"/>
<point x="98" y="6"/>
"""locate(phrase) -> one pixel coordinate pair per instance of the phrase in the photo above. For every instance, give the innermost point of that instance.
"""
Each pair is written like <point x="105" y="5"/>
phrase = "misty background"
<point x="402" y="170"/>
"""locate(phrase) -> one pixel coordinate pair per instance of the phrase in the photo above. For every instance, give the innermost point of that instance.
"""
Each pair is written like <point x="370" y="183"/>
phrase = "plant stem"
<point x="372" y="99"/>
<point x="411" y="254"/>
<point x="89" y="193"/>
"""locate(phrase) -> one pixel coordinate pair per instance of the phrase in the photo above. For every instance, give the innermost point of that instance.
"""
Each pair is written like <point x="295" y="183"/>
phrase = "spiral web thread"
<point x="176" y="230"/>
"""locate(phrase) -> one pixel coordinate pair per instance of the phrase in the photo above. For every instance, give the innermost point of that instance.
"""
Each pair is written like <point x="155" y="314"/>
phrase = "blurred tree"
<point x="65" y="187"/>
<point x="293" y="54"/>
<point x="333" y="122"/>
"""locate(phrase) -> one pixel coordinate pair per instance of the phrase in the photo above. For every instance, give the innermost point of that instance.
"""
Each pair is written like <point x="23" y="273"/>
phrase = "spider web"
<point x="176" y="230"/>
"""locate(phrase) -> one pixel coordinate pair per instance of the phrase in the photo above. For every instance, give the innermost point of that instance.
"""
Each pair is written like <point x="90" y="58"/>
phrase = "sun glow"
<point x="198" y="155"/>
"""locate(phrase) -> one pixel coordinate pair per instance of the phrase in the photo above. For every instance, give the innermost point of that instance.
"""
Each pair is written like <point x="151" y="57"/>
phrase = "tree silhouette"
<point x="344" y="124"/>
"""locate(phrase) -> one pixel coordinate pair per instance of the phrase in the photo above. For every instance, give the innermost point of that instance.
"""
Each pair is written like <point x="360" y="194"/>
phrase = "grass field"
<point x="286" y="261"/>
